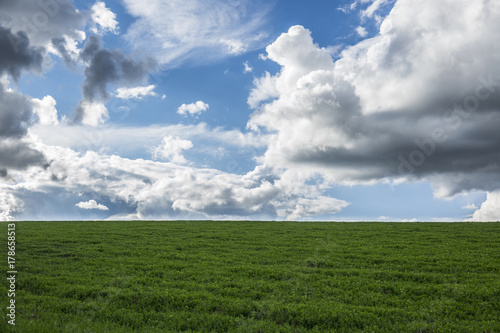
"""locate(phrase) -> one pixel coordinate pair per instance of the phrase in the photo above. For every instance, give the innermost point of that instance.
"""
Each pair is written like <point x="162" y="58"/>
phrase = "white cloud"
<point x="361" y="31"/>
<point x="247" y="68"/>
<point x="334" y="50"/>
<point x="9" y="205"/>
<point x="193" y="108"/>
<point x="91" y="204"/>
<point x="94" y="113"/>
<point x="234" y="46"/>
<point x="409" y="220"/>
<point x="347" y="121"/>
<point x="374" y="7"/>
<point x="171" y="150"/>
<point x="470" y="206"/>
<point x="145" y="189"/>
<point x="385" y="109"/>
<point x="104" y="19"/>
<point x="490" y="209"/>
<point x="315" y="207"/>
<point x="67" y="47"/>
<point x="131" y="141"/>
<point x="136" y="92"/>
<point x="46" y="110"/>
<point x="180" y="30"/>
<point x="264" y="89"/>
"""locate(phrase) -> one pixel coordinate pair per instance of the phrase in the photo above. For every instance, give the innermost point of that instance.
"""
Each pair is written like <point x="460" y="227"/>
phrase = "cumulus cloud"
<point x="193" y="108"/>
<point x="91" y="204"/>
<point x="418" y="101"/>
<point x="104" y="19"/>
<point x="46" y="110"/>
<point x="91" y="113"/>
<point x="409" y="220"/>
<point x="180" y="30"/>
<point x="171" y="149"/>
<point x="264" y="89"/>
<point x="146" y="189"/>
<point x="9" y="205"/>
<point x="105" y="67"/>
<point x="136" y="92"/>
<point x="489" y="210"/>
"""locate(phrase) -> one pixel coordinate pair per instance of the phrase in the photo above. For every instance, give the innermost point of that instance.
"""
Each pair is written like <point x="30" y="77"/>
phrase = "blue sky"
<point x="377" y="110"/>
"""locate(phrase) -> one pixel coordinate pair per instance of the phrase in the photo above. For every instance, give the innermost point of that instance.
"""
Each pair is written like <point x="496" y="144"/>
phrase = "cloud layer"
<point x="157" y="190"/>
<point x="419" y="101"/>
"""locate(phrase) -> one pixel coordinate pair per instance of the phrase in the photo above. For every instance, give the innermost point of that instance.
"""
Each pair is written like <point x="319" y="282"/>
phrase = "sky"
<point x="324" y="110"/>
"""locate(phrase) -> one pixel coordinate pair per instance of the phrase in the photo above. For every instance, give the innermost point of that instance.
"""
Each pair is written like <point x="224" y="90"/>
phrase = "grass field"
<point x="255" y="277"/>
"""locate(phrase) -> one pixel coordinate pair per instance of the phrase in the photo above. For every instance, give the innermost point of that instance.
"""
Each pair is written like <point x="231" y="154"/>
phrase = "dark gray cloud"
<point x="109" y="66"/>
<point x="59" y="44"/>
<point x="17" y="55"/>
<point x="43" y="20"/>
<point x="50" y="24"/>
<point x="16" y="110"/>
<point x="106" y="67"/>
<point x="16" y="154"/>
<point x="15" y="113"/>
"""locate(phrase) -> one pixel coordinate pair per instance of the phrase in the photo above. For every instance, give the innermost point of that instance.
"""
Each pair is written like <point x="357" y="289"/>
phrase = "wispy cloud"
<point x="247" y="68"/>
<point x="196" y="30"/>
<point x="470" y="206"/>
<point x="136" y="92"/>
<point x="361" y="31"/>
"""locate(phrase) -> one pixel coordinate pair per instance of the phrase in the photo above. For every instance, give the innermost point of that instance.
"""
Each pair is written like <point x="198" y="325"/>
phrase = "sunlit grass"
<point x="256" y="277"/>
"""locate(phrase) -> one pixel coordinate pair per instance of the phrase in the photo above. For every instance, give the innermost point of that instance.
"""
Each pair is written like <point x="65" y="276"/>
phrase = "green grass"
<point x="255" y="277"/>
